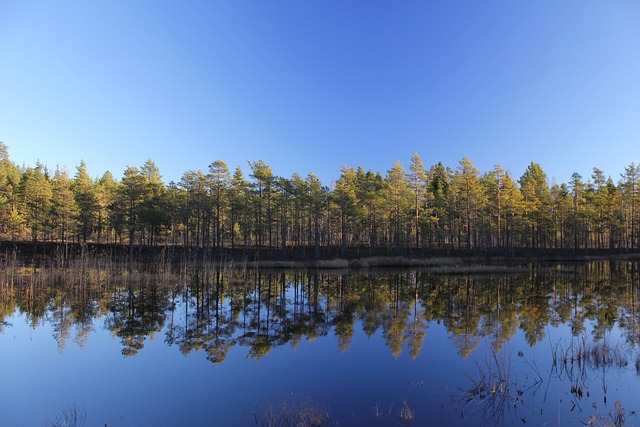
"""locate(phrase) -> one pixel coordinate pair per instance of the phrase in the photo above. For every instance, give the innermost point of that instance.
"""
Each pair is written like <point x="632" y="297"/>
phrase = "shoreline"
<point x="330" y="257"/>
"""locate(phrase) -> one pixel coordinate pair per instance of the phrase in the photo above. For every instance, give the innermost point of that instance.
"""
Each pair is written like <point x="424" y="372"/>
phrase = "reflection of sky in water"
<point x="161" y="386"/>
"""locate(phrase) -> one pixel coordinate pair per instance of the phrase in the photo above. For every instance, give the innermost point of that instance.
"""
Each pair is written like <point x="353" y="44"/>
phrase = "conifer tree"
<point x="562" y="213"/>
<point x="11" y="216"/>
<point x="219" y="180"/>
<point x="578" y="193"/>
<point x="132" y="193"/>
<point x="240" y="209"/>
<point x="630" y="186"/>
<point x="36" y="192"/>
<point x="345" y="198"/>
<point x="153" y="212"/>
<point x="106" y="190"/>
<point x="318" y="201"/>
<point x="86" y="200"/>
<point x="418" y="183"/>
<point x="537" y="203"/>
<point x="264" y="180"/>
<point x="64" y="210"/>
<point x="439" y="181"/>
<point x="196" y="208"/>
<point x="398" y="201"/>
<point x="466" y="185"/>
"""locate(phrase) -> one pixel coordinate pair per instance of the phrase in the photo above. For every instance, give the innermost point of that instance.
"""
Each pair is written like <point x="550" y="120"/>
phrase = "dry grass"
<point x="477" y="269"/>
<point x="406" y="415"/>
<point x="365" y="262"/>
<point x="11" y="265"/>
<point x="494" y="393"/>
<point x="332" y="263"/>
<point x="310" y="414"/>
<point x="618" y="414"/>
<point x="79" y="273"/>
<point x="305" y="414"/>
<point x="579" y="358"/>
<point x="580" y="354"/>
<point x="70" y="415"/>
<point x="437" y="265"/>
<point x="616" y="418"/>
<point x="492" y="388"/>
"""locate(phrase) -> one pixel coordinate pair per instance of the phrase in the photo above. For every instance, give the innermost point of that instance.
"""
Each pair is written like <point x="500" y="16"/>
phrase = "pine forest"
<point x="401" y="211"/>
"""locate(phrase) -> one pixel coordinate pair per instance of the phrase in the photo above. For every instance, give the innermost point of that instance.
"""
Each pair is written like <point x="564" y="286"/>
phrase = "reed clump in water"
<point x="70" y="415"/>
<point x="492" y="387"/>
<point x="406" y="415"/>
<point x="581" y="354"/>
<point x="305" y="414"/>
<point x="81" y="270"/>
<point x="495" y="393"/>
<point x="616" y="418"/>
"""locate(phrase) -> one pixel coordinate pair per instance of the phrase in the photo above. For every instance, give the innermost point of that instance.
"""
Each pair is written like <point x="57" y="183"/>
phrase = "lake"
<point x="552" y="344"/>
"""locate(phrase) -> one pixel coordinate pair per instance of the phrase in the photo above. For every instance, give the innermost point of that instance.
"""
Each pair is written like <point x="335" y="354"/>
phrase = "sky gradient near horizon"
<point x="310" y="86"/>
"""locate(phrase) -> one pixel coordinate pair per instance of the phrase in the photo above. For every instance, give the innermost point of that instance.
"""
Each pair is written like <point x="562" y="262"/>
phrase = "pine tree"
<point x="86" y="199"/>
<point x="318" y="201"/>
<point x="439" y="182"/>
<point x="418" y="183"/>
<point x="578" y="190"/>
<point x="240" y="208"/>
<point x="106" y="190"/>
<point x="513" y="203"/>
<point x="11" y="217"/>
<point x="153" y="212"/>
<point x="562" y="214"/>
<point x="630" y="186"/>
<point x="496" y="184"/>
<point x="196" y="208"/>
<point x="466" y="185"/>
<point x="537" y="204"/>
<point x="132" y="193"/>
<point x="345" y="198"/>
<point x="36" y="192"/>
<point x="64" y="209"/>
<point x="219" y="180"/>
<point x="398" y="198"/>
<point x="264" y="180"/>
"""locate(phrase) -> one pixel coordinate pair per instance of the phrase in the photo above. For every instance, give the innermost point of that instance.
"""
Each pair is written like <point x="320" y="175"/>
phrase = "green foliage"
<point x="537" y="205"/>
<point x="417" y="182"/>
<point x="35" y="190"/>
<point x="11" y="214"/>
<point x="405" y="212"/>
<point x="64" y="210"/>
<point x="86" y="200"/>
<point x="397" y="198"/>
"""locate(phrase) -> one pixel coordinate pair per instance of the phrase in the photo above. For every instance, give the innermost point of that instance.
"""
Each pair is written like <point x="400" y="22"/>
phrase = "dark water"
<point x="554" y="345"/>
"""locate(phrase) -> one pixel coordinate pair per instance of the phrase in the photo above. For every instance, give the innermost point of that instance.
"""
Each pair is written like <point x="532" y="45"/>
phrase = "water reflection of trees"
<point x="215" y="311"/>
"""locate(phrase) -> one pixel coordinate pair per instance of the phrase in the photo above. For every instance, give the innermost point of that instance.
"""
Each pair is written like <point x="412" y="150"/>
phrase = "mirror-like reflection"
<point x="213" y="312"/>
<point x="216" y="310"/>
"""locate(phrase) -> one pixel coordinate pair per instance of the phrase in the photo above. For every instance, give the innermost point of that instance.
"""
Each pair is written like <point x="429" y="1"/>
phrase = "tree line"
<point x="402" y="212"/>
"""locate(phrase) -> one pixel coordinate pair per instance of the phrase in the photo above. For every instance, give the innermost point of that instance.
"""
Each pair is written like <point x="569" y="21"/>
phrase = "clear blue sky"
<point x="314" y="85"/>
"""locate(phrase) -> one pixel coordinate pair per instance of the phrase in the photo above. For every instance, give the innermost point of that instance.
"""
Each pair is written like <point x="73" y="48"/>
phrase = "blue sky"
<point x="314" y="85"/>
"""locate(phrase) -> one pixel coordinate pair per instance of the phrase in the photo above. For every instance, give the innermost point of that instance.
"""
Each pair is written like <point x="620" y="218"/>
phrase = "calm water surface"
<point x="554" y="345"/>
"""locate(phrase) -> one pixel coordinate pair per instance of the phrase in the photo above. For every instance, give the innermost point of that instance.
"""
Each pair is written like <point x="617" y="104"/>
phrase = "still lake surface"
<point x="541" y="345"/>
